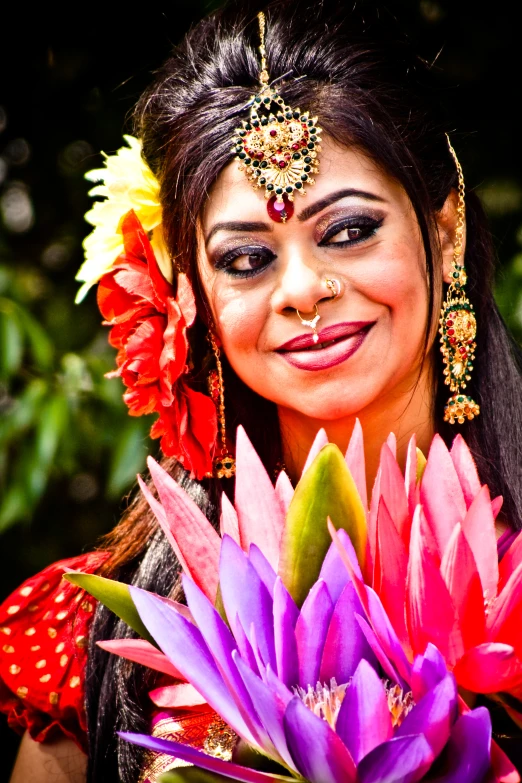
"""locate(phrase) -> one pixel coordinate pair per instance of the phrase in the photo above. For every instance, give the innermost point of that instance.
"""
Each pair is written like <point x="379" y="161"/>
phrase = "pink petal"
<point x="391" y="566"/>
<point x="441" y="494"/>
<point x="479" y="528"/>
<point x="372" y="526"/>
<point x="284" y="491"/>
<point x="511" y="560"/>
<point x="503" y="769"/>
<point x="466" y="469"/>
<point x="410" y="478"/>
<point x="394" y="493"/>
<point x="355" y="460"/>
<point x="198" y="543"/>
<point x="488" y="668"/>
<point x="496" y="505"/>
<point x="143" y="652"/>
<point x="229" y="521"/>
<point x="461" y="577"/>
<point x="504" y="620"/>
<point x="159" y="513"/>
<point x="261" y="520"/>
<point x="176" y="696"/>
<point x="320" y="440"/>
<point x="391" y="442"/>
<point x="429" y="609"/>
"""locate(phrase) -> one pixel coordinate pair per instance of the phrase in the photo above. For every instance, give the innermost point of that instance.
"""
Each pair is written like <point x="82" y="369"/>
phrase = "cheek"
<point x="239" y="318"/>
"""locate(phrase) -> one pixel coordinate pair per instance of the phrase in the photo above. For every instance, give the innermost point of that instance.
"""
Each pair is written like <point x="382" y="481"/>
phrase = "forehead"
<point x="233" y="197"/>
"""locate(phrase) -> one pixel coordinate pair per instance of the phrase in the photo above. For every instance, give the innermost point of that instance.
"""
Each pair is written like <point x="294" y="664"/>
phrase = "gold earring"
<point x="458" y="324"/>
<point x="333" y="285"/>
<point x="224" y="462"/>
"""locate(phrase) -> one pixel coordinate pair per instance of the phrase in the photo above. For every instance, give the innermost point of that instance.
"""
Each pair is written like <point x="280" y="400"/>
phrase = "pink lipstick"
<point x="335" y="345"/>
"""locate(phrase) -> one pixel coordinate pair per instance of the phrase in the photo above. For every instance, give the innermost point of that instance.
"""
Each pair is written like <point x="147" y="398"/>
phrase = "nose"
<point x="301" y="284"/>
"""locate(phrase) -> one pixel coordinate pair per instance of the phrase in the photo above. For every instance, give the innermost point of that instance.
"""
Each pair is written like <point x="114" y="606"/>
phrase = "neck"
<point x="405" y="410"/>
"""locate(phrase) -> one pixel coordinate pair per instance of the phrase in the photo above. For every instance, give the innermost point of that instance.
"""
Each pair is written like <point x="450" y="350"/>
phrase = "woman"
<point x="322" y="309"/>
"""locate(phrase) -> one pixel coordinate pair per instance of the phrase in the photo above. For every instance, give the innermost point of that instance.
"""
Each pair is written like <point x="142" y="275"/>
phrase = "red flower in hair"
<point x="149" y="329"/>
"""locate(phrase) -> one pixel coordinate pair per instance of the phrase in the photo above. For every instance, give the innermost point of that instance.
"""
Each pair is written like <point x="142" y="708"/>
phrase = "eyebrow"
<point x="313" y="209"/>
<point x="237" y="225"/>
<point x="305" y="214"/>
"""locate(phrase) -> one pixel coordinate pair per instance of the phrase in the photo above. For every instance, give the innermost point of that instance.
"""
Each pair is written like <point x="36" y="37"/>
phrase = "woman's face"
<point x="355" y="225"/>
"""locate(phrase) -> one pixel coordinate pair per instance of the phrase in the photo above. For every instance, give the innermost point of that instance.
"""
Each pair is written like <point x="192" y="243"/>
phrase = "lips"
<point x="335" y="344"/>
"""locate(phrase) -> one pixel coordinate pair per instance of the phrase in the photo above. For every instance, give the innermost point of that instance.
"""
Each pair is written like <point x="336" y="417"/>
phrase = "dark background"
<point x="68" y="451"/>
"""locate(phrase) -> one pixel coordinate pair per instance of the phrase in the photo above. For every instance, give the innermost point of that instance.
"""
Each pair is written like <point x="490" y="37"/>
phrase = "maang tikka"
<point x="458" y="325"/>
<point x="277" y="146"/>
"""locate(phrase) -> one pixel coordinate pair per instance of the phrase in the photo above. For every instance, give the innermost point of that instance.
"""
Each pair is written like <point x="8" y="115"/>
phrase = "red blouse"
<point x="44" y="630"/>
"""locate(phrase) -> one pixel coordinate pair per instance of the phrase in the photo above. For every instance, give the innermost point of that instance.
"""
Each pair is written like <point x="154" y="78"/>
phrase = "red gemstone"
<point x="295" y="146"/>
<point x="449" y="322"/>
<point x="282" y="164"/>
<point x="463" y="350"/>
<point x="280" y="211"/>
<point x="273" y="133"/>
<point x="260" y="155"/>
<point x="451" y="331"/>
<point x="452" y="341"/>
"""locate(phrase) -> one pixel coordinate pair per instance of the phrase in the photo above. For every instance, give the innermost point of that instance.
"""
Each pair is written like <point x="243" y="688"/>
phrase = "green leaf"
<point x="23" y="410"/>
<point x="11" y="342"/>
<point x="40" y="345"/>
<point x="128" y="458"/>
<point x="115" y="596"/>
<point x="327" y="489"/>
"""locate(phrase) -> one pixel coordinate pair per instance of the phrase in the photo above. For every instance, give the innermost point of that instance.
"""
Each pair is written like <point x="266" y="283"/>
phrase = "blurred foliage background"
<point x="68" y="450"/>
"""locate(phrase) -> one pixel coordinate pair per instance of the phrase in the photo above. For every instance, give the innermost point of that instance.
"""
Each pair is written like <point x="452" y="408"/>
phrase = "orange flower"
<point x="149" y="328"/>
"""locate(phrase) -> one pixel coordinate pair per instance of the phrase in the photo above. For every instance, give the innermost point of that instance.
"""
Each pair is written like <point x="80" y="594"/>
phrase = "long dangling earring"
<point x="458" y="325"/>
<point x="224" y="462"/>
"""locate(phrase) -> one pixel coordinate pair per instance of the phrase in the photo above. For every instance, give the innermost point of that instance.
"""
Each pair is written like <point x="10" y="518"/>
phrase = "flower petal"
<point x="310" y="631"/>
<point x="468" y="749"/>
<point x="229" y="525"/>
<point x="285" y="618"/>
<point x="434" y="715"/>
<point x="320" y="440"/>
<point x="364" y="720"/>
<point x="259" y="512"/>
<point x="185" y="646"/>
<point x="393" y="492"/>
<point x="333" y="572"/>
<point x="264" y="570"/>
<point x="318" y="752"/>
<point x="400" y="760"/>
<point x="174" y="697"/>
<point x="284" y="491"/>
<point x="479" y="528"/>
<point x="441" y="494"/>
<point x="195" y="537"/>
<point x="488" y="668"/>
<point x="355" y="460"/>
<point x="426" y="672"/>
<point x="390" y="568"/>
<point x="184" y="752"/>
<point x="142" y="652"/>
<point x="466" y="469"/>
<point x="345" y="643"/>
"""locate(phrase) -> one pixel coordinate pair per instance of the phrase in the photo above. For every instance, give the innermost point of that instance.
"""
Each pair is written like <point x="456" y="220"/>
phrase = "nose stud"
<point x="333" y="285"/>
<point x="312" y="323"/>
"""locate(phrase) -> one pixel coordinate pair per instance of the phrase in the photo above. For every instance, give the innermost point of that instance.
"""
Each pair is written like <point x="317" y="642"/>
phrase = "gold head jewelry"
<point x="277" y="146"/>
<point x="312" y="323"/>
<point x="458" y="324"/>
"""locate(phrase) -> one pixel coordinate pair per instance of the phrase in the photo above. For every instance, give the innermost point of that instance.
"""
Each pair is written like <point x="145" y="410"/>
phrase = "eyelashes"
<point x="249" y="261"/>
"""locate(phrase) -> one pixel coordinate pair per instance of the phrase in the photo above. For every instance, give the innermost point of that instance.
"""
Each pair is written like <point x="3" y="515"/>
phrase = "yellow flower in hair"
<point x="125" y="183"/>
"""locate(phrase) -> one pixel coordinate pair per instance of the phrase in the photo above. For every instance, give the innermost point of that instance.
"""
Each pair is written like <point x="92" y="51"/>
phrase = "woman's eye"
<point x="245" y="262"/>
<point x="351" y="233"/>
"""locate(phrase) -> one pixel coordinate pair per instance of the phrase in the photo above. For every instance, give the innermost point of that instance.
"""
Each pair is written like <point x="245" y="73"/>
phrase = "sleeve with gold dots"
<point x="44" y="629"/>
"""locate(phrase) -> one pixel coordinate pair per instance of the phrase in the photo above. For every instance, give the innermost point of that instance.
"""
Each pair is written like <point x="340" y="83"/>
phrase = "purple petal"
<point x="333" y="570"/>
<point x="285" y="618"/>
<point x="318" y="752"/>
<point x="264" y="570"/>
<point x="221" y="644"/>
<point x="386" y="635"/>
<point x="469" y="748"/>
<point x="400" y="760"/>
<point x="270" y="708"/>
<point x="426" y="672"/>
<point x="202" y="760"/>
<point x="379" y="653"/>
<point x="364" y="720"/>
<point x="434" y="715"/>
<point x="184" y="645"/>
<point x="345" y="643"/>
<point x="244" y="646"/>
<point x="245" y="595"/>
<point x="310" y="631"/>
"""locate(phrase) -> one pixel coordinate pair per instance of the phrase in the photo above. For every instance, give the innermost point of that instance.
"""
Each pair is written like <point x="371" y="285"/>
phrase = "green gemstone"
<point x="288" y="115"/>
<point x="258" y="99"/>
<point x="313" y="138"/>
<point x="460" y="399"/>
<point x="267" y="100"/>
<point x="263" y="164"/>
<point x="313" y="130"/>
<point x="255" y="164"/>
<point x="248" y="161"/>
<point x="248" y="126"/>
<point x="242" y="133"/>
<point x="255" y="123"/>
<point x="451" y="402"/>
<point x="310" y="123"/>
<point x="304" y="177"/>
<point x="289" y="189"/>
<point x="456" y="275"/>
<point x="296" y="115"/>
<point x="269" y="187"/>
<point x="264" y="121"/>
<point x="303" y="118"/>
<point x="307" y="169"/>
<point x="242" y="155"/>
<point x="280" y="118"/>
<point x="262" y="181"/>
<point x="299" y="185"/>
<point x="310" y="145"/>
<point x="296" y="156"/>
<point x="308" y="159"/>
<point x="279" y="191"/>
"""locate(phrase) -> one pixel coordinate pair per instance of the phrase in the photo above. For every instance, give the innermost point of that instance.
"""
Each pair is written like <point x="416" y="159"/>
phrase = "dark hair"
<point x="371" y="91"/>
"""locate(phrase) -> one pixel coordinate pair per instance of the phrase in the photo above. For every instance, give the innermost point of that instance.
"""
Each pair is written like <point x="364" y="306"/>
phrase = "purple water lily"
<point x="315" y="688"/>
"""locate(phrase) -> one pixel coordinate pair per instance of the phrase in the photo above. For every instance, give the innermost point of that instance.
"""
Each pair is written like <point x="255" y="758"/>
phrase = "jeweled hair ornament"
<point x="277" y="146"/>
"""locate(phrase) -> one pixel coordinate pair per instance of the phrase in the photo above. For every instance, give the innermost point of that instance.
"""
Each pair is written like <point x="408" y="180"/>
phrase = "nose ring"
<point x="333" y="285"/>
<point x="312" y="323"/>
